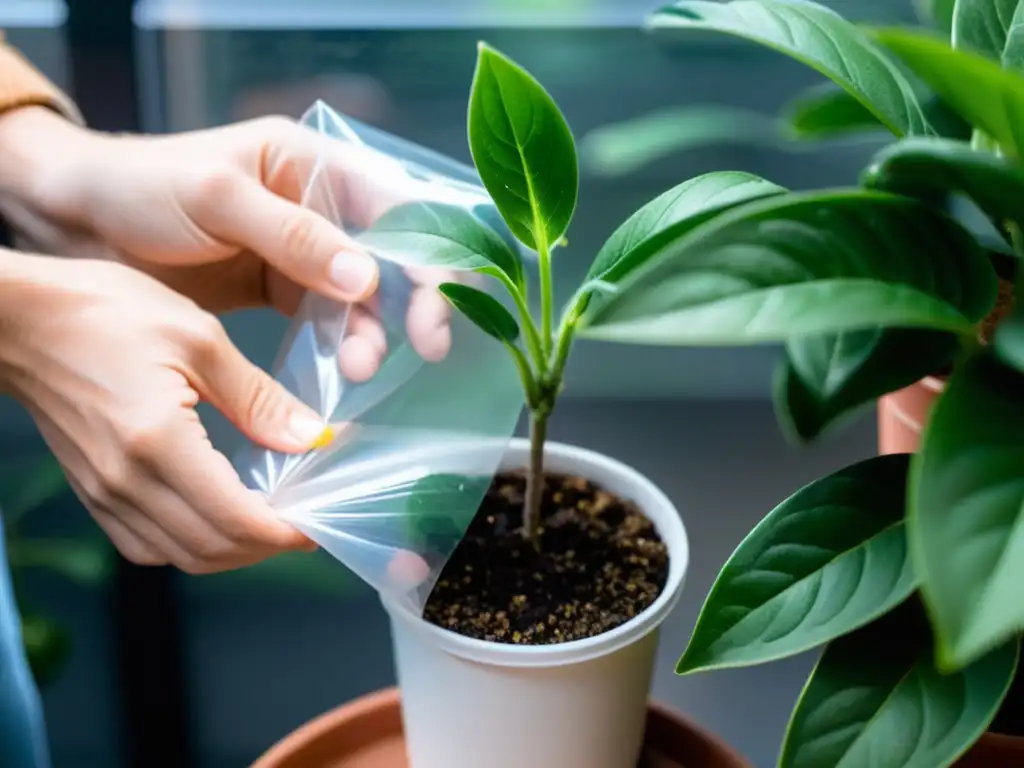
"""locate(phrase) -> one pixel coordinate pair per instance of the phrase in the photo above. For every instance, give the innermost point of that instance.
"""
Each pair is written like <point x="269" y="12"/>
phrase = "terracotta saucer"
<point x="367" y="733"/>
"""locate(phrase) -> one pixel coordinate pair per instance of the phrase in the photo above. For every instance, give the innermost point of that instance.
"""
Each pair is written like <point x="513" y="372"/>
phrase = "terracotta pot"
<point x="903" y="414"/>
<point x="901" y="418"/>
<point x="995" y="751"/>
<point x="367" y="733"/>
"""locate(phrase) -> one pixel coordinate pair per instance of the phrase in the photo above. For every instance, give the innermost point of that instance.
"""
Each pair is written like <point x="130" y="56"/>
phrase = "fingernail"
<point x="353" y="273"/>
<point x="307" y="431"/>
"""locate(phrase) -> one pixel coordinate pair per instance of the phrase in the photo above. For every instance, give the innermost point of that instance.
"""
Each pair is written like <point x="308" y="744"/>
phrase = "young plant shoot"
<point x="722" y="259"/>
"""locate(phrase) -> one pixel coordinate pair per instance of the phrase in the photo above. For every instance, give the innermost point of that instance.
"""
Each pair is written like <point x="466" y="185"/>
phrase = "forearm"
<point x="36" y="146"/>
<point x="38" y="128"/>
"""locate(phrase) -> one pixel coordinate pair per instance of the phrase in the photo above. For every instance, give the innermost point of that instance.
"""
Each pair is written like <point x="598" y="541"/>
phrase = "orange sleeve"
<point x="22" y="85"/>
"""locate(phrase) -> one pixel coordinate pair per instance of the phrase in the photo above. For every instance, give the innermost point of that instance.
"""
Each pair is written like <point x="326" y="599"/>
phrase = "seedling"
<point x="722" y="259"/>
<point x="525" y="154"/>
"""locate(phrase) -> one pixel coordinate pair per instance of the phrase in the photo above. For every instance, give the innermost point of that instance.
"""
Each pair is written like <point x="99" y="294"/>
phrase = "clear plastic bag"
<point x="416" y="445"/>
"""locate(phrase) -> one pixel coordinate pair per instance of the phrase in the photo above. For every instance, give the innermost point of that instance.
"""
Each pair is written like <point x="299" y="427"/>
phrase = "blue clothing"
<point x="22" y="735"/>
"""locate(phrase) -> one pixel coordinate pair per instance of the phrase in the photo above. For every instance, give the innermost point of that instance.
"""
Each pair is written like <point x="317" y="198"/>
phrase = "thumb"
<point x="260" y="407"/>
<point x="297" y="242"/>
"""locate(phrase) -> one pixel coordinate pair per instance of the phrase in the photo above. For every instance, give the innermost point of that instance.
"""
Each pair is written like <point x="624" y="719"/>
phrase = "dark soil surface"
<point x="600" y="563"/>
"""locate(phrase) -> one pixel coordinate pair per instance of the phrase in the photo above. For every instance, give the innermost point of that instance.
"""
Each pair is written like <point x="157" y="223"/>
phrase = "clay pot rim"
<point x="321" y="725"/>
<point x="345" y="715"/>
<point x="1004" y="740"/>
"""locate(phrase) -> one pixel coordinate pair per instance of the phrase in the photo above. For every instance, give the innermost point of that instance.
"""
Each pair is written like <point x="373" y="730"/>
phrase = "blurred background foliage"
<point x="818" y="115"/>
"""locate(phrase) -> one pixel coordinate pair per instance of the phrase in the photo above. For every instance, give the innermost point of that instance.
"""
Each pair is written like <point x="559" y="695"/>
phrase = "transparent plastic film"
<point x="420" y="401"/>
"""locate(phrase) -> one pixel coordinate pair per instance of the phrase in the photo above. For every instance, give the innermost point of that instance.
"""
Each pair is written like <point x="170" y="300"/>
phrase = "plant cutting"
<point x="903" y="568"/>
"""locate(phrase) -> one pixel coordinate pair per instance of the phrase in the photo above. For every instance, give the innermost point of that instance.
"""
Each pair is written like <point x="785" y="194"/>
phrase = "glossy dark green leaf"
<point x="826" y="377"/>
<point x="827" y="560"/>
<point x="671" y="215"/>
<point x="439" y="234"/>
<point x="523" y="150"/>
<point x="89" y="562"/>
<point x="876" y="700"/>
<point x="966" y="511"/>
<point x="822" y="379"/>
<point x="827" y="113"/>
<point x="485" y="311"/>
<point x="799" y="264"/>
<point x="932" y="165"/>
<point x="988" y="96"/>
<point x="816" y="36"/>
<point x="982" y="26"/>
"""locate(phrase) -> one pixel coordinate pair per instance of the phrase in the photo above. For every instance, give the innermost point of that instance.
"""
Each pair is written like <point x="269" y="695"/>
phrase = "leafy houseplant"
<point x="905" y="568"/>
<point x="870" y="288"/>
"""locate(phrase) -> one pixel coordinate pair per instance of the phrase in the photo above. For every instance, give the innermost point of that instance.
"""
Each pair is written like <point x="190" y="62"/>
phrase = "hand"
<point x="111" y="364"/>
<point x="214" y="214"/>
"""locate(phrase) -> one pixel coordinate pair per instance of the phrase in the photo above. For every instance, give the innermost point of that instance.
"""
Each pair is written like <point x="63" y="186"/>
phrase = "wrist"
<point x="38" y="150"/>
<point x="22" y="290"/>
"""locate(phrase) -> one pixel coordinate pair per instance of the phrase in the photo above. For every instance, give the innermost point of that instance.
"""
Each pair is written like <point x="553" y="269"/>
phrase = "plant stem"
<point x="525" y="375"/>
<point x="547" y="297"/>
<point x="535" y="478"/>
<point x="533" y="345"/>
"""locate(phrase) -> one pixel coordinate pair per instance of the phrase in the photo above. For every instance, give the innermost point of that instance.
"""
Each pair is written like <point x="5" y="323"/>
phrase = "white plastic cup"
<point x="469" y="703"/>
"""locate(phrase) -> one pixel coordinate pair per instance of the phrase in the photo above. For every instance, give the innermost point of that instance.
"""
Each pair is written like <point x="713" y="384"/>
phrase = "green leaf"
<point x="966" y="511"/>
<point x="827" y="560"/>
<point x="925" y="166"/>
<point x="938" y="13"/>
<point x="439" y="234"/>
<point x="621" y="148"/>
<point x="982" y="26"/>
<point x="817" y="37"/>
<point x="828" y="112"/>
<point x="988" y="96"/>
<point x="671" y="215"/>
<point x="89" y="562"/>
<point x="26" y="486"/>
<point x="523" y="150"/>
<point x="876" y="700"/>
<point x="1013" y="51"/>
<point x="824" y="378"/>
<point x="798" y="264"/>
<point x="485" y="311"/>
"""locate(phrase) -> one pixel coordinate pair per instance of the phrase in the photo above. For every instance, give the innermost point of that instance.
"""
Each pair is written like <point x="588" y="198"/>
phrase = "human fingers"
<point x="253" y="401"/>
<point x="298" y="242"/>
<point x="194" y="494"/>
<point x="364" y="346"/>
